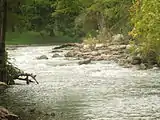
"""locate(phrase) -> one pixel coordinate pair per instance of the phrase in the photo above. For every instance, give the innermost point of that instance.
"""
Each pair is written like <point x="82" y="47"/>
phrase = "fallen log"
<point x="14" y="73"/>
<point x="66" y="45"/>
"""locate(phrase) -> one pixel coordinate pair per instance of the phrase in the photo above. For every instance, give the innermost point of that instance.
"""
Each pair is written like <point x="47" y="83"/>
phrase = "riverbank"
<point x="35" y="38"/>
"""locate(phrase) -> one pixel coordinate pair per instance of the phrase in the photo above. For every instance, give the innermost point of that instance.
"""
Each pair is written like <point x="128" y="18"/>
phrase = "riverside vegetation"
<point x="93" y="22"/>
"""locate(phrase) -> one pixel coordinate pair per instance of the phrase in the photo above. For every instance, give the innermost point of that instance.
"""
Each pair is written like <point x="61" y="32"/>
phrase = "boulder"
<point x="136" y="60"/>
<point x="3" y="86"/>
<point x="95" y="53"/>
<point x="6" y="115"/>
<point x="142" y="66"/>
<point x="42" y="57"/>
<point x="70" y="54"/>
<point x="86" y="61"/>
<point x="155" y="68"/>
<point x="56" y="55"/>
<point x="99" y="46"/>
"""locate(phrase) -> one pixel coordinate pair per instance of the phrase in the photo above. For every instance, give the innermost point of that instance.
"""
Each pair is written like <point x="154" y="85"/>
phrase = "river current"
<point x="68" y="91"/>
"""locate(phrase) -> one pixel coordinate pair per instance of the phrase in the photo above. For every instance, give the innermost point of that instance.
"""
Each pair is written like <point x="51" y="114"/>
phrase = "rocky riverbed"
<point x="117" y="52"/>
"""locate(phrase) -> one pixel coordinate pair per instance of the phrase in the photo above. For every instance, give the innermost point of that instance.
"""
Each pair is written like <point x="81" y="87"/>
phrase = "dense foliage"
<point x="75" y="18"/>
<point x="146" y="21"/>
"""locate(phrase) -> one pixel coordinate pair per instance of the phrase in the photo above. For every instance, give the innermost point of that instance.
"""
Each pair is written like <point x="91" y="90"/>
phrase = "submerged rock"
<point x="86" y="61"/>
<point x="6" y="115"/>
<point x="42" y="57"/>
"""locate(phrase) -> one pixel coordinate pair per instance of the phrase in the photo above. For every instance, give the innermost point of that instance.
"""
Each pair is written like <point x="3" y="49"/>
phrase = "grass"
<point x="30" y="38"/>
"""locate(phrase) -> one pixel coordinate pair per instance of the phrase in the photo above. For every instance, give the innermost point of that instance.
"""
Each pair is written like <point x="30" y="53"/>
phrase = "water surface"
<point x="98" y="91"/>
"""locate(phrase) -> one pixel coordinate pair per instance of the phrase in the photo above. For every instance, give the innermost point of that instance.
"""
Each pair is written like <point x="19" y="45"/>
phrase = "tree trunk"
<point x="3" y="17"/>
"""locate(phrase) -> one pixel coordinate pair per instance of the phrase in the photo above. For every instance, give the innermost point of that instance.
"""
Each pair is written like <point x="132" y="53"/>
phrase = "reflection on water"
<point x="98" y="91"/>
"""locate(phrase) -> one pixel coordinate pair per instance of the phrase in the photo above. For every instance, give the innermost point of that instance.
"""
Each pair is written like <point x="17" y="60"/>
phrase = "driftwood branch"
<point x="26" y="75"/>
<point x="66" y="45"/>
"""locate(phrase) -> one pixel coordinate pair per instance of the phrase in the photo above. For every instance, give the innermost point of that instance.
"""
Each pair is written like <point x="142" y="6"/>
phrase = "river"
<point x="68" y="91"/>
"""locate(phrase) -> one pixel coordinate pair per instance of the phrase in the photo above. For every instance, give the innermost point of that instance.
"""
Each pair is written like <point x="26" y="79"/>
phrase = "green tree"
<point x="146" y="22"/>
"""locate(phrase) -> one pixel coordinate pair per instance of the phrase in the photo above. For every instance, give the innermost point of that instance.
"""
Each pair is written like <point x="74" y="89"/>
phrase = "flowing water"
<point x="67" y="91"/>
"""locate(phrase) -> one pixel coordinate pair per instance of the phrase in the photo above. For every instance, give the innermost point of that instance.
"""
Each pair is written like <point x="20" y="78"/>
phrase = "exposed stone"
<point x="142" y="66"/>
<point x="86" y="46"/>
<point x="136" y="60"/>
<point x="42" y="57"/>
<point x="70" y="54"/>
<point x="56" y="55"/>
<point x="6" y="115"/>
<point x="155" y="68"/>
<point x="97" y="46"/>
<point x="95" y="53"/>
<point x="86" y="61"/>
<point x="3" y="86"/>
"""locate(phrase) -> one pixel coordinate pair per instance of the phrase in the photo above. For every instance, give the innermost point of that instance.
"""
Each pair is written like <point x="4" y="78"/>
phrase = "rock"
<point x="94" y="53"/>
<point x="6" y="115"/>
<point x="142" y="66"/>
<point x="101" y="57"/>
<point x="56" y="55"/>
<point x="155" y="68"/>
<point x="86" y="46"/>
<point x="70" y="54"/>
<point x="86" y="61"/>
<point x="136" y="60"/>
<point x="3" y="86"/>
<point x="99" y="46"/>
<point x="117" y="47"/>
<point x="42" y="57"/>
